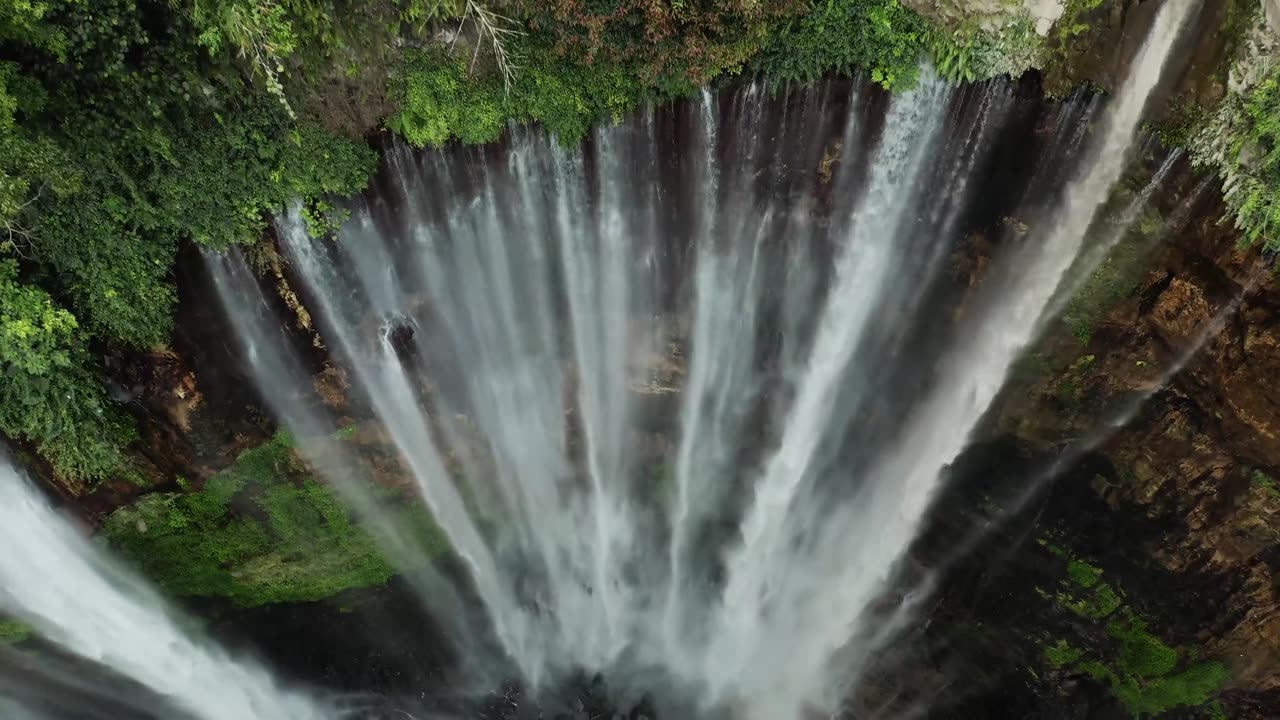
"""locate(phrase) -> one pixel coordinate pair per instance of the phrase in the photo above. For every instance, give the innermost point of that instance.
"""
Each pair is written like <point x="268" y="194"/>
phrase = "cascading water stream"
<point x="58" y="582"/>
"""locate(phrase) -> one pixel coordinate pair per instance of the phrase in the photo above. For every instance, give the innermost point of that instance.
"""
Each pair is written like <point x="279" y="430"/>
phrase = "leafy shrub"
<point x="670" y="47"/>
<point x="48" y="394"/>
<point x="438" y="102"/>
<point x="121" y="136"/>
<point x="1083" y="574"/>
<point x="882" y="36"/>
<point x="1254" y="191"/>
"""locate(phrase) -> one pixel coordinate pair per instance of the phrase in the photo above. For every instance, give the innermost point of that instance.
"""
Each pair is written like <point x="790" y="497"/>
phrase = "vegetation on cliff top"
<point x="262" y="531"/>
<point x="577" y="66"/>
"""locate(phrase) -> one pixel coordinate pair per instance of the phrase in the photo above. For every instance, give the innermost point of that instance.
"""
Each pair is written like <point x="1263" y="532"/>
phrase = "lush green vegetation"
<point x="1145" y="674"/>
<point x="127" y="127"/>
<point x="882" y="36"/>
<point x="50" y="393"/>
<point x="262" y="531"/>
<point x="568" y="67"/>
<point x="1253" y="191"/>
<point x="574" y="66"/>
<point x="1237" y="137"/>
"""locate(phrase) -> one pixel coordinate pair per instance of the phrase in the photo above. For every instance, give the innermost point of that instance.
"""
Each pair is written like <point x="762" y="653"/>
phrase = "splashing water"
<point x="642" y="385"/>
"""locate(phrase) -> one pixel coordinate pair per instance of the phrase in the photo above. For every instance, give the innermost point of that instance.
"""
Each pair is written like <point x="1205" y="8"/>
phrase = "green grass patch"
<point x="1190" y="688"/>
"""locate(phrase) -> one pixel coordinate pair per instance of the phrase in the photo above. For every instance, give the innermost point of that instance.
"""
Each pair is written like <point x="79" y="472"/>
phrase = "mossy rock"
<point x="262" y="531"/>
<point x="1116" y="648"/>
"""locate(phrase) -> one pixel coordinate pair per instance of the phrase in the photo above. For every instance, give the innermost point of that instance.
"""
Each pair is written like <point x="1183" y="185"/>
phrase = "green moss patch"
<point x="1083" y="574"/>
<point x="13" y="631"/>
<point x="1265" y="483"/>
<point x="1117" y="648"/>
<point x="262" y="531"/>
<point x="1142" y="655"/>
<point x="1192" y="687"/>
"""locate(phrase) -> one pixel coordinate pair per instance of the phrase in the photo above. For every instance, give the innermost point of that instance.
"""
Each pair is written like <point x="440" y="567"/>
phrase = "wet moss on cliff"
<point x="262" y="531"/>
<point x="1115" y="646"/>
<point x="13" y="631"/>
<point x="1117" y="276"/>
<point x="1236" y="137"/>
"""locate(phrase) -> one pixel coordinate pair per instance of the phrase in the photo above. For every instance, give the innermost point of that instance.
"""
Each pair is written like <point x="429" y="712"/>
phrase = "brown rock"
<point x="1181" y="313"/>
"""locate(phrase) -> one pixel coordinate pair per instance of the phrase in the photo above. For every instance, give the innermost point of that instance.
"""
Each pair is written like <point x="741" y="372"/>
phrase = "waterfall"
<point x="772" y="294"/>
<point x="57" y="581"/>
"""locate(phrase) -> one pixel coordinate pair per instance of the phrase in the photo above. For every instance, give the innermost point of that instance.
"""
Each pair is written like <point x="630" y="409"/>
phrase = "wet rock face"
<point x="1190" y="513"/>
<point x="1180" y="313"/>
<point x="1094" y="44"/>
